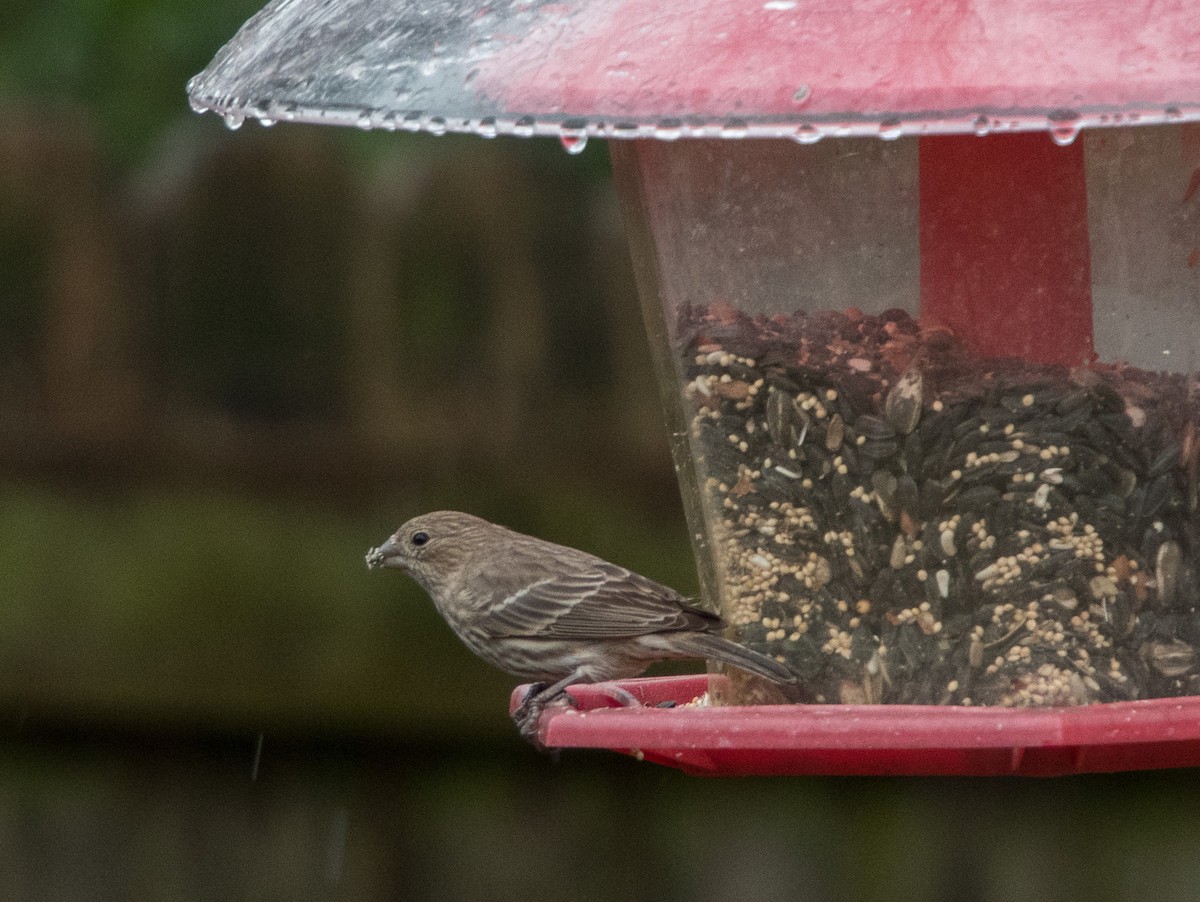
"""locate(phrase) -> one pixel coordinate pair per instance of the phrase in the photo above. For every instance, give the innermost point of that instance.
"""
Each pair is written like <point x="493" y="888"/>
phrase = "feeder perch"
<point x="923" y="285"/>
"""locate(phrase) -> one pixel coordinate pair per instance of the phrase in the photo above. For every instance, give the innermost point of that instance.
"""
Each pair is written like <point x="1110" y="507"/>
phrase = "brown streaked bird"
<point x="554" y="615"/>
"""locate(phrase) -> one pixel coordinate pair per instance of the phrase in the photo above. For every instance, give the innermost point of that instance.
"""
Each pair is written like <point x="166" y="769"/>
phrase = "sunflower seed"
<point x="873" y="428"/>
<point x="903" y="405"/>
<point x="1167" y="564"/>
<point x="884" y="485"/>
<point x="835" y="433"/>
<point x="779" y="416"/>
<point x="1171" y="658"/>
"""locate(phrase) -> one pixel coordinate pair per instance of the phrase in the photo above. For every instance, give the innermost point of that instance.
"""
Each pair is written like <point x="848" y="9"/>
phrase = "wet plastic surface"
<point x="798" y="289"/>
<point x="872" y="739"/>
<point x="709" y="68"/>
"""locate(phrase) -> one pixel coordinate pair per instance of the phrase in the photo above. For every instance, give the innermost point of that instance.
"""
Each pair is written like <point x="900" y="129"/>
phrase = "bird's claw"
<point x="528" y="714"/>
<point x="528" y="726"/>
<point x="623" y="697"/>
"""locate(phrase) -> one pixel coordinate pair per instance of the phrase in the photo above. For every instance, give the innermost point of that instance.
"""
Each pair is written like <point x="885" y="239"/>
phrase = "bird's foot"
<point x="529" y="709"/>
<point x="623" y="697"/>
<point x="529" y="713"/>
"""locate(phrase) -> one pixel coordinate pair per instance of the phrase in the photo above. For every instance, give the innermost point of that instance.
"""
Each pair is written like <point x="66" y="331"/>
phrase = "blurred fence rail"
<point x="274" y="305"/>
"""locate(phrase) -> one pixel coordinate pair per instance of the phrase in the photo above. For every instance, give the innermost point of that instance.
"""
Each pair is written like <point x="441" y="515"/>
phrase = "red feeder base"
<point x="872" y="739"/>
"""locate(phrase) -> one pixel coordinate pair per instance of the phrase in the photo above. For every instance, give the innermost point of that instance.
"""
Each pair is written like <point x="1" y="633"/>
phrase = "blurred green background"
<point x="232" y="361"/>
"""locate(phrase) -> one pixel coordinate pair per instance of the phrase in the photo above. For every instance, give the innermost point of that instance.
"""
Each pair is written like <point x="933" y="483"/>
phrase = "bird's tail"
<point x="718" y="648"/>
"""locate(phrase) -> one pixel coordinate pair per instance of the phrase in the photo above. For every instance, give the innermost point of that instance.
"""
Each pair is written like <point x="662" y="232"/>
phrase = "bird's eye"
<point x="420" y="538"/>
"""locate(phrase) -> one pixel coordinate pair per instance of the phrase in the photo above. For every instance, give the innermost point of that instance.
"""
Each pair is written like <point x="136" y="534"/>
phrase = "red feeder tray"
<point x="896" y="740"/>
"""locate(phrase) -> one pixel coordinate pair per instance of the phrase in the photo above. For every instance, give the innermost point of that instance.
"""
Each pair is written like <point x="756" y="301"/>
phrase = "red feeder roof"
<point x="671" y="68"/>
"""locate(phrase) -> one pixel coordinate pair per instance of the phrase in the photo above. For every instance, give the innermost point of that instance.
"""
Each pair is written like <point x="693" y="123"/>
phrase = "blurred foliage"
<point x="124" y="60"/>
<point x="251" y="280"/>
<point x="23" y="256"/>
<point x="226" y="612"/>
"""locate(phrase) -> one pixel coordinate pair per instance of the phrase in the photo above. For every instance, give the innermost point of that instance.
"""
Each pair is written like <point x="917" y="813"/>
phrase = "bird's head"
<point x="432" y="547"/>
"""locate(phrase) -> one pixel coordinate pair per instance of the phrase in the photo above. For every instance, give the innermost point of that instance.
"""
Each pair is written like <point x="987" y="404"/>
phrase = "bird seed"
<point x="943" y="528"/>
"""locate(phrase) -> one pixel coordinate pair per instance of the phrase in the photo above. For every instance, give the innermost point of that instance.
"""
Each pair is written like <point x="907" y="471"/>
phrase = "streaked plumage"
<point x="552" y="614"/>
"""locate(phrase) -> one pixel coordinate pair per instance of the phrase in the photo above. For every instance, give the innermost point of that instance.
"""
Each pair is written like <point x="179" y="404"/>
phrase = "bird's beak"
<point x="386" y="555"/>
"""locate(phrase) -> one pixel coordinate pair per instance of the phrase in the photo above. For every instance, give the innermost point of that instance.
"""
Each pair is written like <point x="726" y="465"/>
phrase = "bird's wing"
<point x="605" y="602"/>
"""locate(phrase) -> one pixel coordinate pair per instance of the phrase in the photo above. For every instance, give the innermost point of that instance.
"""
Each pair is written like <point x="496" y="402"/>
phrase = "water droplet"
<point x="436" y="125"/>
<point x="982" y="125"/>
<point x="891" y="129"/>
<point x="523" y="127"/>
<point x="668" y="129"/>
<point x="1173" y="112"/>
<point x="801" y="95"/>
<point x="1064" y="126"/>
<point x="364" y="121"/>
<point x="258" y="747"/>
<point x="573" y="144"/>
<point x="197" y="105"/>
<point x="265" y="122"/>
<point x="233" y="121"/>
<point x="486" y="127"/>
<point x="734" y="128"/>
<point x="1062" y="135"/>
<point x="807" y="134"/>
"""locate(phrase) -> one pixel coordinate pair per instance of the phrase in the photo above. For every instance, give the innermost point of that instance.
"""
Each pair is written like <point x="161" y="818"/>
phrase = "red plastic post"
<point x="1005" y="258"/>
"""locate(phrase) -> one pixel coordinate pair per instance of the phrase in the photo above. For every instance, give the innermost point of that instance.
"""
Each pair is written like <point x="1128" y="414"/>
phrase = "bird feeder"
<point x="923" y="285"/>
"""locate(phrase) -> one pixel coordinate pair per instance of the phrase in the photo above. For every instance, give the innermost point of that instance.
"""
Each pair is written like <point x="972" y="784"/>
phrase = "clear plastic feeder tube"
<point x="936" y="406"/>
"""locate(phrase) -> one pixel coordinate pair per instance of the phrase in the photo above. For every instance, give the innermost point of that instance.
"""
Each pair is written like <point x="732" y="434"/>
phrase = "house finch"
<point x="550" y="614"/>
